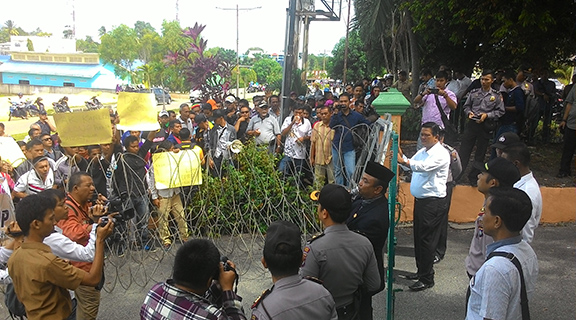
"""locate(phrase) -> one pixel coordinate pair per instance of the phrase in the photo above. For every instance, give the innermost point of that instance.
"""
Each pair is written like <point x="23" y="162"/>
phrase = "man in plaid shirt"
<point x="201" y="289"/>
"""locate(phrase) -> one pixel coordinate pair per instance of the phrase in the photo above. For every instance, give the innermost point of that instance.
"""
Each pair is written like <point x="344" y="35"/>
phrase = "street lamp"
<point x="238" y="43"/>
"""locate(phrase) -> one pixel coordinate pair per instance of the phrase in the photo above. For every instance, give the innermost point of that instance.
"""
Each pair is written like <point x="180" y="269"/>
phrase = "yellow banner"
<point x="173" y="170"/>
<point x="137" y="111"/>
<point x="84" y="128"/>
<point x="11" y="152"/>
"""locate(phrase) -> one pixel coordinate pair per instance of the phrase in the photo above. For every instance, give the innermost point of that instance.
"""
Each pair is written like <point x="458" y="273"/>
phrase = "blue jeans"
<point x="348" y="159"/>
<point x="141" y="216"/>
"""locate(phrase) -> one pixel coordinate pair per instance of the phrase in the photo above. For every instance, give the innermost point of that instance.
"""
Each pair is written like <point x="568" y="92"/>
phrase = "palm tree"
<point x="11" y="28"/>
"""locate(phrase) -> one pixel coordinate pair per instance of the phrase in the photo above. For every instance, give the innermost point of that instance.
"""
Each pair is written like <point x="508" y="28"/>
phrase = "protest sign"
<point x="11" y="152"/>
<point x="172" y="170"/>
<point x="84" y="128"/>
<point x="137" y="111"/>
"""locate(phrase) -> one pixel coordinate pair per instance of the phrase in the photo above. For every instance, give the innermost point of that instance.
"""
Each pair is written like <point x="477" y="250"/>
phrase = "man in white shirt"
<point x="265" y="129"/>
<point x="430" y="167"/>
<point x="499" y="290"/>
<point x="520" y="156"/>
<point x="38" y="179"/>
<point x="297" y="130"/>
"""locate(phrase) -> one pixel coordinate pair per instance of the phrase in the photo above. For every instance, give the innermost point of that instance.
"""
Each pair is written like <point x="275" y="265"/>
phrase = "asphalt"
<point x="129" y="278"/>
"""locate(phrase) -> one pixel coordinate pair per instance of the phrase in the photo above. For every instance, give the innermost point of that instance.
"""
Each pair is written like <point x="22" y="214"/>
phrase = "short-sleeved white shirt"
<point x="495" y="290"/>
<point x="30" y="183"/>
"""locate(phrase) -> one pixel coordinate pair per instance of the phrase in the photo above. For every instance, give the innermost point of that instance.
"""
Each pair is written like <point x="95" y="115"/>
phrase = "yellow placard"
<point x="137" y="111"/>
<point x="11" y="152"/>
<point x="84" y="128"/>
<point x="173" y="170"/>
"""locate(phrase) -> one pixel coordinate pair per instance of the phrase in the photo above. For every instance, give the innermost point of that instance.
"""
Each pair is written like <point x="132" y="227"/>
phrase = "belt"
<point x="346" y="310"/>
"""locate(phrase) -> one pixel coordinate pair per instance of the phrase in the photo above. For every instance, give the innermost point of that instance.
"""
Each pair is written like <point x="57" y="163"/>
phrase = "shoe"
<point x="436" y="259"/>
<point x="419" y="286"/>
<point x="412" y="276"/>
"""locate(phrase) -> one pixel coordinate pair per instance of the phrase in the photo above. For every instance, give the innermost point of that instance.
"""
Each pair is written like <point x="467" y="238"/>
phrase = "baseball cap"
<point x="206" y="106"/>
<point x="379" y="172"/>
<point x="335" y="197"/>
<point x="503" y="170"/>
<point x="163" y="113"/>
<point x="230" y="99"/>
<point x="505" y="140"/>
<point x="263" y="104"/>
<point x="282" y="232"/>
<point x="200" y="118"/>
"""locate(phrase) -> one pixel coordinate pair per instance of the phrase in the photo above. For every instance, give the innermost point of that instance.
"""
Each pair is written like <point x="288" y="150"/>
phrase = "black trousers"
<point x="474" y="135"/>
<point x="568" y="150"/>
<point x="441" y="248"/>
<point x="428" y="217"/>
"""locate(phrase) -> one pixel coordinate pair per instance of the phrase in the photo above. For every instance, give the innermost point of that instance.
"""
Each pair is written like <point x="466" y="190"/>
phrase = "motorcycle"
<point x="31" y="108"/>
<point x="61" y="106"/>
<point x="17" y="110"/>
<point x="93" y="104"/>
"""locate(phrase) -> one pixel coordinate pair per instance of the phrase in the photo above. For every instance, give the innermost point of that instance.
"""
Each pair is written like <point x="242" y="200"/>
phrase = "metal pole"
<point x="346" y="45"/>
<point x="305" y="47"/>
<point x="391" y="236"/>
<point x="237" y="53"/>
<point x="288" y="57"/>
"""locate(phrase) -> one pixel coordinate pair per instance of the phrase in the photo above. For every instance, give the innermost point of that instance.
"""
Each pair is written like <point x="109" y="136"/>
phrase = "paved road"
<point x="554" y="297"/>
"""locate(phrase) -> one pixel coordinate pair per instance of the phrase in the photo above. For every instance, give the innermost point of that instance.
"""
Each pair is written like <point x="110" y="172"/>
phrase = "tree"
<point x="101" y="31"/>
<point x="11" y="28"/>
<point x="68" y="33"/>
<point x="120" y="48"/>
<point x="357" y="62"/>
<point x="246" y="76"/>
<point x="227" y="55"/>
<point x="141" y="28"/>
<point x="29" y="45"/>
<point x="267" y="70"/>
<point x="87" y="45"/>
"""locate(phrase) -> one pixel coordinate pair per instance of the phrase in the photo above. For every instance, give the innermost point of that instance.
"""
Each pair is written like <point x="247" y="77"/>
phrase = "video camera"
<point x="120" y="204"/>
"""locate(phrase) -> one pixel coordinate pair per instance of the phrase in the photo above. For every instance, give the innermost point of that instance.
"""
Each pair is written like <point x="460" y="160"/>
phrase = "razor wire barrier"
<point x="233" y="209"/>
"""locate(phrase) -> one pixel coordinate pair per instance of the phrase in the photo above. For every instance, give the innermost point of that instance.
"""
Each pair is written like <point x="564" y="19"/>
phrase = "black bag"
<point x="15" y="307"/>
<point x="451" y="133"/>
<point x="359" y="134"/>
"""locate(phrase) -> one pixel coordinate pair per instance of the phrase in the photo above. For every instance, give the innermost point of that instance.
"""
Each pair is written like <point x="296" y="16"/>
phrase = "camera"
<point x="104" y="221"/>
<point x="434" y="90"/>
<point x="120" y="204"/>
<point x="227" y="266"/>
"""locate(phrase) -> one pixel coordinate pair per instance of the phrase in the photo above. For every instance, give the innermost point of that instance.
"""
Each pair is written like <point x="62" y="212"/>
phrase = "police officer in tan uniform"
<point x="291" y="296"/>
<point x="483" y="108"/>
<point x="342" y="259"/>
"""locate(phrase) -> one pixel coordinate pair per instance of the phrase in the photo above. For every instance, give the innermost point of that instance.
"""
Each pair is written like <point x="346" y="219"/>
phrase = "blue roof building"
<point x="82" y="70"/>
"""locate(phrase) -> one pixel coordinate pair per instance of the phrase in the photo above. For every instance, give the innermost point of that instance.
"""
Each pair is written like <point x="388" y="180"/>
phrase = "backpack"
<point x="15" y="307"/>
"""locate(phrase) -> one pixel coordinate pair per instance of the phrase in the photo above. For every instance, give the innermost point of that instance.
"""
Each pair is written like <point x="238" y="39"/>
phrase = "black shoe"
<point x="412" y="276"/>
<point x="419" y="286"/>
<point x="437" y="259"/>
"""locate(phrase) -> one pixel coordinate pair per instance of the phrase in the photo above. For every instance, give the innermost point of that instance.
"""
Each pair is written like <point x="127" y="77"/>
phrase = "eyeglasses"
<point x="46" y="139"/>
<point x="263" y="107"/>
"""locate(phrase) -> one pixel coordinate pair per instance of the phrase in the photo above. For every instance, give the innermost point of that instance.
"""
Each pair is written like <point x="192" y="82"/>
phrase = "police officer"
<point x="483" y="108"/>
<point x="369" y="216"/>
<point x="291" y="296"/>
<point x="342" y="259"/>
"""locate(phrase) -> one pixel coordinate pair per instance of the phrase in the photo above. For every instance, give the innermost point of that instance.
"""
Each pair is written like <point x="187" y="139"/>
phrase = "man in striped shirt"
<point x="38" y="179"/>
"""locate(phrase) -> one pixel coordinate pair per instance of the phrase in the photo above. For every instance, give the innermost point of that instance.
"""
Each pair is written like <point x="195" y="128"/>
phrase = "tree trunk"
<point x="415" y="55"/>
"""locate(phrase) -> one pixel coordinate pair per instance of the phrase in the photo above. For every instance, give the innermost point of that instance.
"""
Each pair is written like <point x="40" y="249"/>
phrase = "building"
<point x="42" y="44"/>
<point x="82" y="70"/>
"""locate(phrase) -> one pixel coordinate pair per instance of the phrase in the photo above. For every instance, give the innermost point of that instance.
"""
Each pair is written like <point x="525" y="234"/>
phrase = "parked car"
<point x="162" y="96"/>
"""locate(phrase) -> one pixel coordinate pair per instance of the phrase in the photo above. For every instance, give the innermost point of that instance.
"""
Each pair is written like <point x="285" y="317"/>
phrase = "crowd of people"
<point x="316" y="140"/>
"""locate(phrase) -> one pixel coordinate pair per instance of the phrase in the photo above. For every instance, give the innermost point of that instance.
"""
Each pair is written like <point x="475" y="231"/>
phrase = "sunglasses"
<point x="46" y="139"/>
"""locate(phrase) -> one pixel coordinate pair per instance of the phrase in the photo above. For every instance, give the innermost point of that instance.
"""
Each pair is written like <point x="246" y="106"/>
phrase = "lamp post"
<point x="238" y="42"/>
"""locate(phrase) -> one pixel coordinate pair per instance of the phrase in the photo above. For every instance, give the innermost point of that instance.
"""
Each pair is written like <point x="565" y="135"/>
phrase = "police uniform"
<point x="344" y="261"/>
<point x="295" y="298"/>
<point x="479" y="134"/>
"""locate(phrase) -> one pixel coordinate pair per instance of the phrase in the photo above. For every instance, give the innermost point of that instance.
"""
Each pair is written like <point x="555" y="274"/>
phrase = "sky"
<point x="262" y="27"/>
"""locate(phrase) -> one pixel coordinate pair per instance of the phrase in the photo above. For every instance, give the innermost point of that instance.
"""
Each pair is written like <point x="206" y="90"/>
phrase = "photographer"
<point x="40" y="278"/>
<point x="199" y="281"/>
<point x="432" y="99"/>
<point x="81" y="216"/>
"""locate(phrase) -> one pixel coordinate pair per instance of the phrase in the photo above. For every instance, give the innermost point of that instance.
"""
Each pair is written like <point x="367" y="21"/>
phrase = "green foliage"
<point x="267" y="70"/>
<point x="29" y="45"/>
<point x="120" y="48"/>
<point x="357" y="62"/>
<point x="410" y="127"/>
<point x="87" y="45"/>
<point x="246" y="76"/>
<point x="249" y="199"/>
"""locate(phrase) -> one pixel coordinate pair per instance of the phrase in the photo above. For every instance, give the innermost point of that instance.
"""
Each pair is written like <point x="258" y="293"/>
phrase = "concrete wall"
<point x="30" y="89"/>
<point x="46" y="80"/>
<point x="558" y="204"/>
